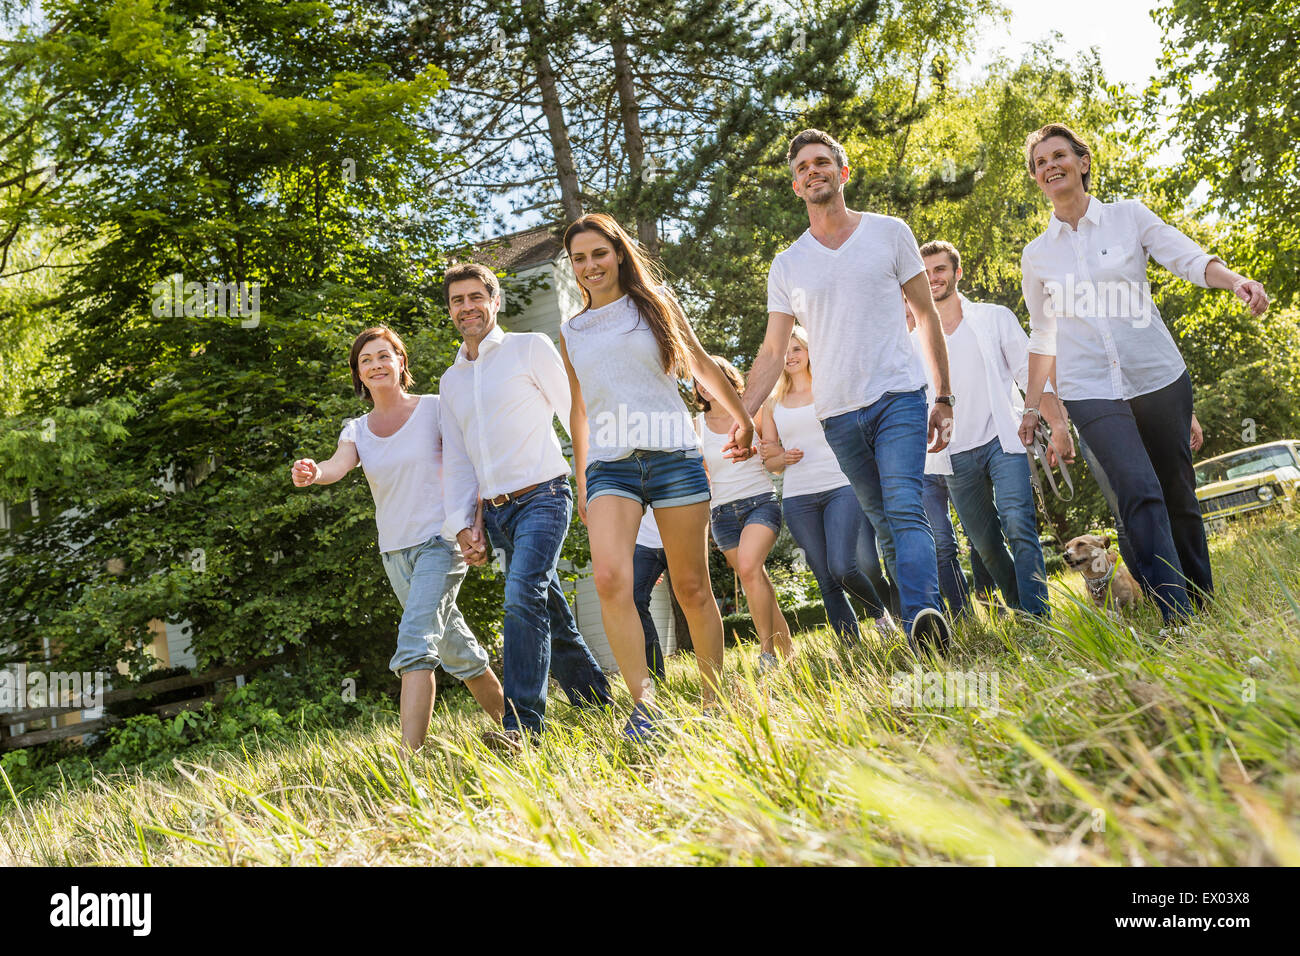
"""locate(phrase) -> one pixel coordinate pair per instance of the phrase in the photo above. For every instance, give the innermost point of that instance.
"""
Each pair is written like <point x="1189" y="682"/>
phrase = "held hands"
<point x="472" y="540"/>
<point x="940" y="433"/>
<point x="770" y="450"/>
<point x="740" y="446"/>
<point x="305" y="472"/>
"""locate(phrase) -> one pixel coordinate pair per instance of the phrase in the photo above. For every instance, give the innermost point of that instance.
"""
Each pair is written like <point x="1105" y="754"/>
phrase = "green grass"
<point x="1106" y="746"/>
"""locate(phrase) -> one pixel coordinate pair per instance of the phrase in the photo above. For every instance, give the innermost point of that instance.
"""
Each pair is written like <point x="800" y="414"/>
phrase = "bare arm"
<point x="741" y="443"/>
<point x="935" y="349"/>
<point x="309" y="472"/>
<point x="1219" y="276"/>
<point x="769" y="441"/>
<point x="578" y="433"/>
<point x="769" y="361"/>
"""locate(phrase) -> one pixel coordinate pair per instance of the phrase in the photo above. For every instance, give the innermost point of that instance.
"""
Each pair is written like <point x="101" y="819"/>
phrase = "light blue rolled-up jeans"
<point x="426" y="577"/>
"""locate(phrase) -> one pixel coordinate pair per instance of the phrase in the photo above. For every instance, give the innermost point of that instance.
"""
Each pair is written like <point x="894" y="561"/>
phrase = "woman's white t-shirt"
<point x="729" y="480"/>
<point x="818" y="470"/>
<point x="404" y="472"/>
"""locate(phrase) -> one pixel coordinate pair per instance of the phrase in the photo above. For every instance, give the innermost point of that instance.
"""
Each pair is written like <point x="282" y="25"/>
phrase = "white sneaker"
<point x="888" y="628"/>
<point x="767" y="661"/>
<point x="931" y="631"/>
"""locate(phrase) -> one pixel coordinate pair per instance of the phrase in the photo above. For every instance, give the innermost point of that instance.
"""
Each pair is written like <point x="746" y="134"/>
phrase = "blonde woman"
<point x="821" y="510"/>
<point x="745" y="517"/>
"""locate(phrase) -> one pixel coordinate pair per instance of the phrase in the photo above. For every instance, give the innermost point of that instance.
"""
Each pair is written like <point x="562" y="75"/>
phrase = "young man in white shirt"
<point x="841" y="280"/>
<point x="499" y="399"/>
<point x="985" y="464"/>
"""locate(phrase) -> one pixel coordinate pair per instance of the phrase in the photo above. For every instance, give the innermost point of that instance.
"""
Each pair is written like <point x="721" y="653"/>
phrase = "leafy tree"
<point x="235" y="142"/>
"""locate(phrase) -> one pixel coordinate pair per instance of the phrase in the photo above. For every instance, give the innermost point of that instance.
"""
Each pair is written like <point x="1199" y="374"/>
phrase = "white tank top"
<point x="729" y="480"/>
<point x="632" y="403"/>
<point x="818" y="470"/>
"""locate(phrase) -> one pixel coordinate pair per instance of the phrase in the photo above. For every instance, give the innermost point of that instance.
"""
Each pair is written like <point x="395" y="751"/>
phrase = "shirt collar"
<point x="1092" y="214"/>
<point x="490" y="341"/>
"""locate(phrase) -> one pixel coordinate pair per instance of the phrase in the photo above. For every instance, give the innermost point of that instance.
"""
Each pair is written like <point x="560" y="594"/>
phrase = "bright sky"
<point x="1121" y="30"/>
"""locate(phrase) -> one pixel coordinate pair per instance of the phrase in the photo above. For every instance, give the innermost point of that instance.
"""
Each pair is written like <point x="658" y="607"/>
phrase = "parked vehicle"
<point x="1249" y="480"/>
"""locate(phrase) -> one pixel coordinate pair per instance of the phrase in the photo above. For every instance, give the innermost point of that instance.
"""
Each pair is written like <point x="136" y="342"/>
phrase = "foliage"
<point x="269" y="145"/>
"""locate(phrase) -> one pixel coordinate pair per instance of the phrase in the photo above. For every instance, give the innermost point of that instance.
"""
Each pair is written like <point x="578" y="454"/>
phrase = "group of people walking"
<point x="866" y="455"/>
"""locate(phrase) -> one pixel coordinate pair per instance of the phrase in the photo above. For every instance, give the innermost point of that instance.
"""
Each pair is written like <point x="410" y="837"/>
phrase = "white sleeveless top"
<point x="729" y="480"/>
<point x="632" y="403"/>
<point x="818" y="470"/>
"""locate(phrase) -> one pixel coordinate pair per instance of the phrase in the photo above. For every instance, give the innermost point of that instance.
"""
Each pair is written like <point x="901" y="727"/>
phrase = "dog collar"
<point x="1098" y="585"/>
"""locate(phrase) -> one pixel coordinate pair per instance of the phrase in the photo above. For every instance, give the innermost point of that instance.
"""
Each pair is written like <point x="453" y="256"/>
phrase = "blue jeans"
<point x="425" y="577"/>
<point x="840" y="546"/>
<point x="728" y="521"/>
<point x="952" y="579"/>
<point x="993" y="496"/>
<point x="541" y="636"/>
<point x="647" y="565"/>
<point x="881" y="450"/>
<point x="1143" y="446"/>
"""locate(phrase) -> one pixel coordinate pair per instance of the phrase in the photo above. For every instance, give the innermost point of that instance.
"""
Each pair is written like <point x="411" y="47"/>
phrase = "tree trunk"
<point x="630" y="111"/>
<point x="570" y="192"/>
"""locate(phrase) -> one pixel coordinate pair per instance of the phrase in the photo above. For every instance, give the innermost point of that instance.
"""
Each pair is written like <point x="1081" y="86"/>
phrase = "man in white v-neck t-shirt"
<point x="844" y="281"/>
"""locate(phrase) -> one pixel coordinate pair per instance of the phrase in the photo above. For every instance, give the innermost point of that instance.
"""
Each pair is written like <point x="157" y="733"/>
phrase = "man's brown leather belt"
<point x="509" y="496"/>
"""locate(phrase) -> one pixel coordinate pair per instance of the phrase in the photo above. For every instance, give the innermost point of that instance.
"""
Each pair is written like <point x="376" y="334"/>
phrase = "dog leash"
<point x="1038" y="459"/>
<point x="1098" y="586"/>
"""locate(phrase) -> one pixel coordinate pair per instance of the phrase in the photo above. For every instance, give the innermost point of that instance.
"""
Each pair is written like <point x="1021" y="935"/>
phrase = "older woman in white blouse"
<point x="1096" y="333"/>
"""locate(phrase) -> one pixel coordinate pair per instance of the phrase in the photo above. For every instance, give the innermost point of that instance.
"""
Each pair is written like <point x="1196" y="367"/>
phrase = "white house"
<point x="538" y="254"/>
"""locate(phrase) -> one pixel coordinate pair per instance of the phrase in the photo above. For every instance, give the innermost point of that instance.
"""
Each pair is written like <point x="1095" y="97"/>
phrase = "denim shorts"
<point x="661" y="479"/>
<point x="727" y="521"/>
<point x="425" y="578"/>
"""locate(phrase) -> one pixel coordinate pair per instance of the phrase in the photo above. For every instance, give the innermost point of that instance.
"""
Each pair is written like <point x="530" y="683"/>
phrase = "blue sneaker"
<point x="640" y="726"/>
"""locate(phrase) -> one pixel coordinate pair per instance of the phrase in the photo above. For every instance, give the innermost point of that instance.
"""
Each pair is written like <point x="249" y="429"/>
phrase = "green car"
<point x="1241" y="482"/>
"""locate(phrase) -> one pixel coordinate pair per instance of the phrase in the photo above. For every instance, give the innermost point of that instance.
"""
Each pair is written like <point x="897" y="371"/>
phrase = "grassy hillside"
<point x="1085" y="742"/>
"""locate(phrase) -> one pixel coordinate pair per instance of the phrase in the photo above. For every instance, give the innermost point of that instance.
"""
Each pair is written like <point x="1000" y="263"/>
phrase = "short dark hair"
<point x="815" y="136"/>
<point x="1058" y="129"/>
<point x="395" y="340"/>
<point x="936" y="246"/>
<point x="472" y="270"/>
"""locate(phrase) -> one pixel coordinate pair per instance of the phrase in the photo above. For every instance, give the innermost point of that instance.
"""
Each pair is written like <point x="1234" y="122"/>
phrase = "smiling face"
<point x="796" y="356"/>
<point x="818" y="176"/>
<point x="379" y="366"/>
<point x="473" y="309"/>
<point x="1057" y="169"/>
<point x="943" y="277"/>
<point x="595" y="265"/>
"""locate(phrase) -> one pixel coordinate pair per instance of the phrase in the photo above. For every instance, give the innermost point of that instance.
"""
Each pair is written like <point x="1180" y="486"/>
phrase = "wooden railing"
<point x="10" y="741"/>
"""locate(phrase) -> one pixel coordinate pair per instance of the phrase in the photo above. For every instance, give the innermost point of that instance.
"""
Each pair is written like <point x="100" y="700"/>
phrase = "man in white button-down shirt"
<point x="1096" y="333"/>
<point x="985" y="466"/>
<point x="499" y="400"/>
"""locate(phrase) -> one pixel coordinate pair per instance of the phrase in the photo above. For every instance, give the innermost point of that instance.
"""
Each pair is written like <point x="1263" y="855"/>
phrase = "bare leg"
<point x="487" y="691"/>
<point x="684" y="530"/>
<point x="749" y="561"/>
<point x="418" y="688"/>
<point x="612" y="523"/>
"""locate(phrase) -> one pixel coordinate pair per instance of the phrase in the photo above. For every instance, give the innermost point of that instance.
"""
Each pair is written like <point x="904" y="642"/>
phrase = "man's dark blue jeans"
<point x="541" y="636"/>
<point x="993" y="495"/>
<point x="647" y="565"/>
<point x="881" y="450"/>
<point x="840" y="547"/>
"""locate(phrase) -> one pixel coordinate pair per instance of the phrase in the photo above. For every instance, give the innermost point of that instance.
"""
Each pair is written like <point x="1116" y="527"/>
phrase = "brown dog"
<point x="1090" y="555"/>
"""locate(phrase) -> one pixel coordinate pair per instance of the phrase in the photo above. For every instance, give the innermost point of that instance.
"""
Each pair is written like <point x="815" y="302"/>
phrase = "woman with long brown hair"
<point x="634" y="446"/>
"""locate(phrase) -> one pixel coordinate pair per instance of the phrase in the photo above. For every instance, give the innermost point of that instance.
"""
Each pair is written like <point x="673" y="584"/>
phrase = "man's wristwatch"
<point x="949" y="400"/>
